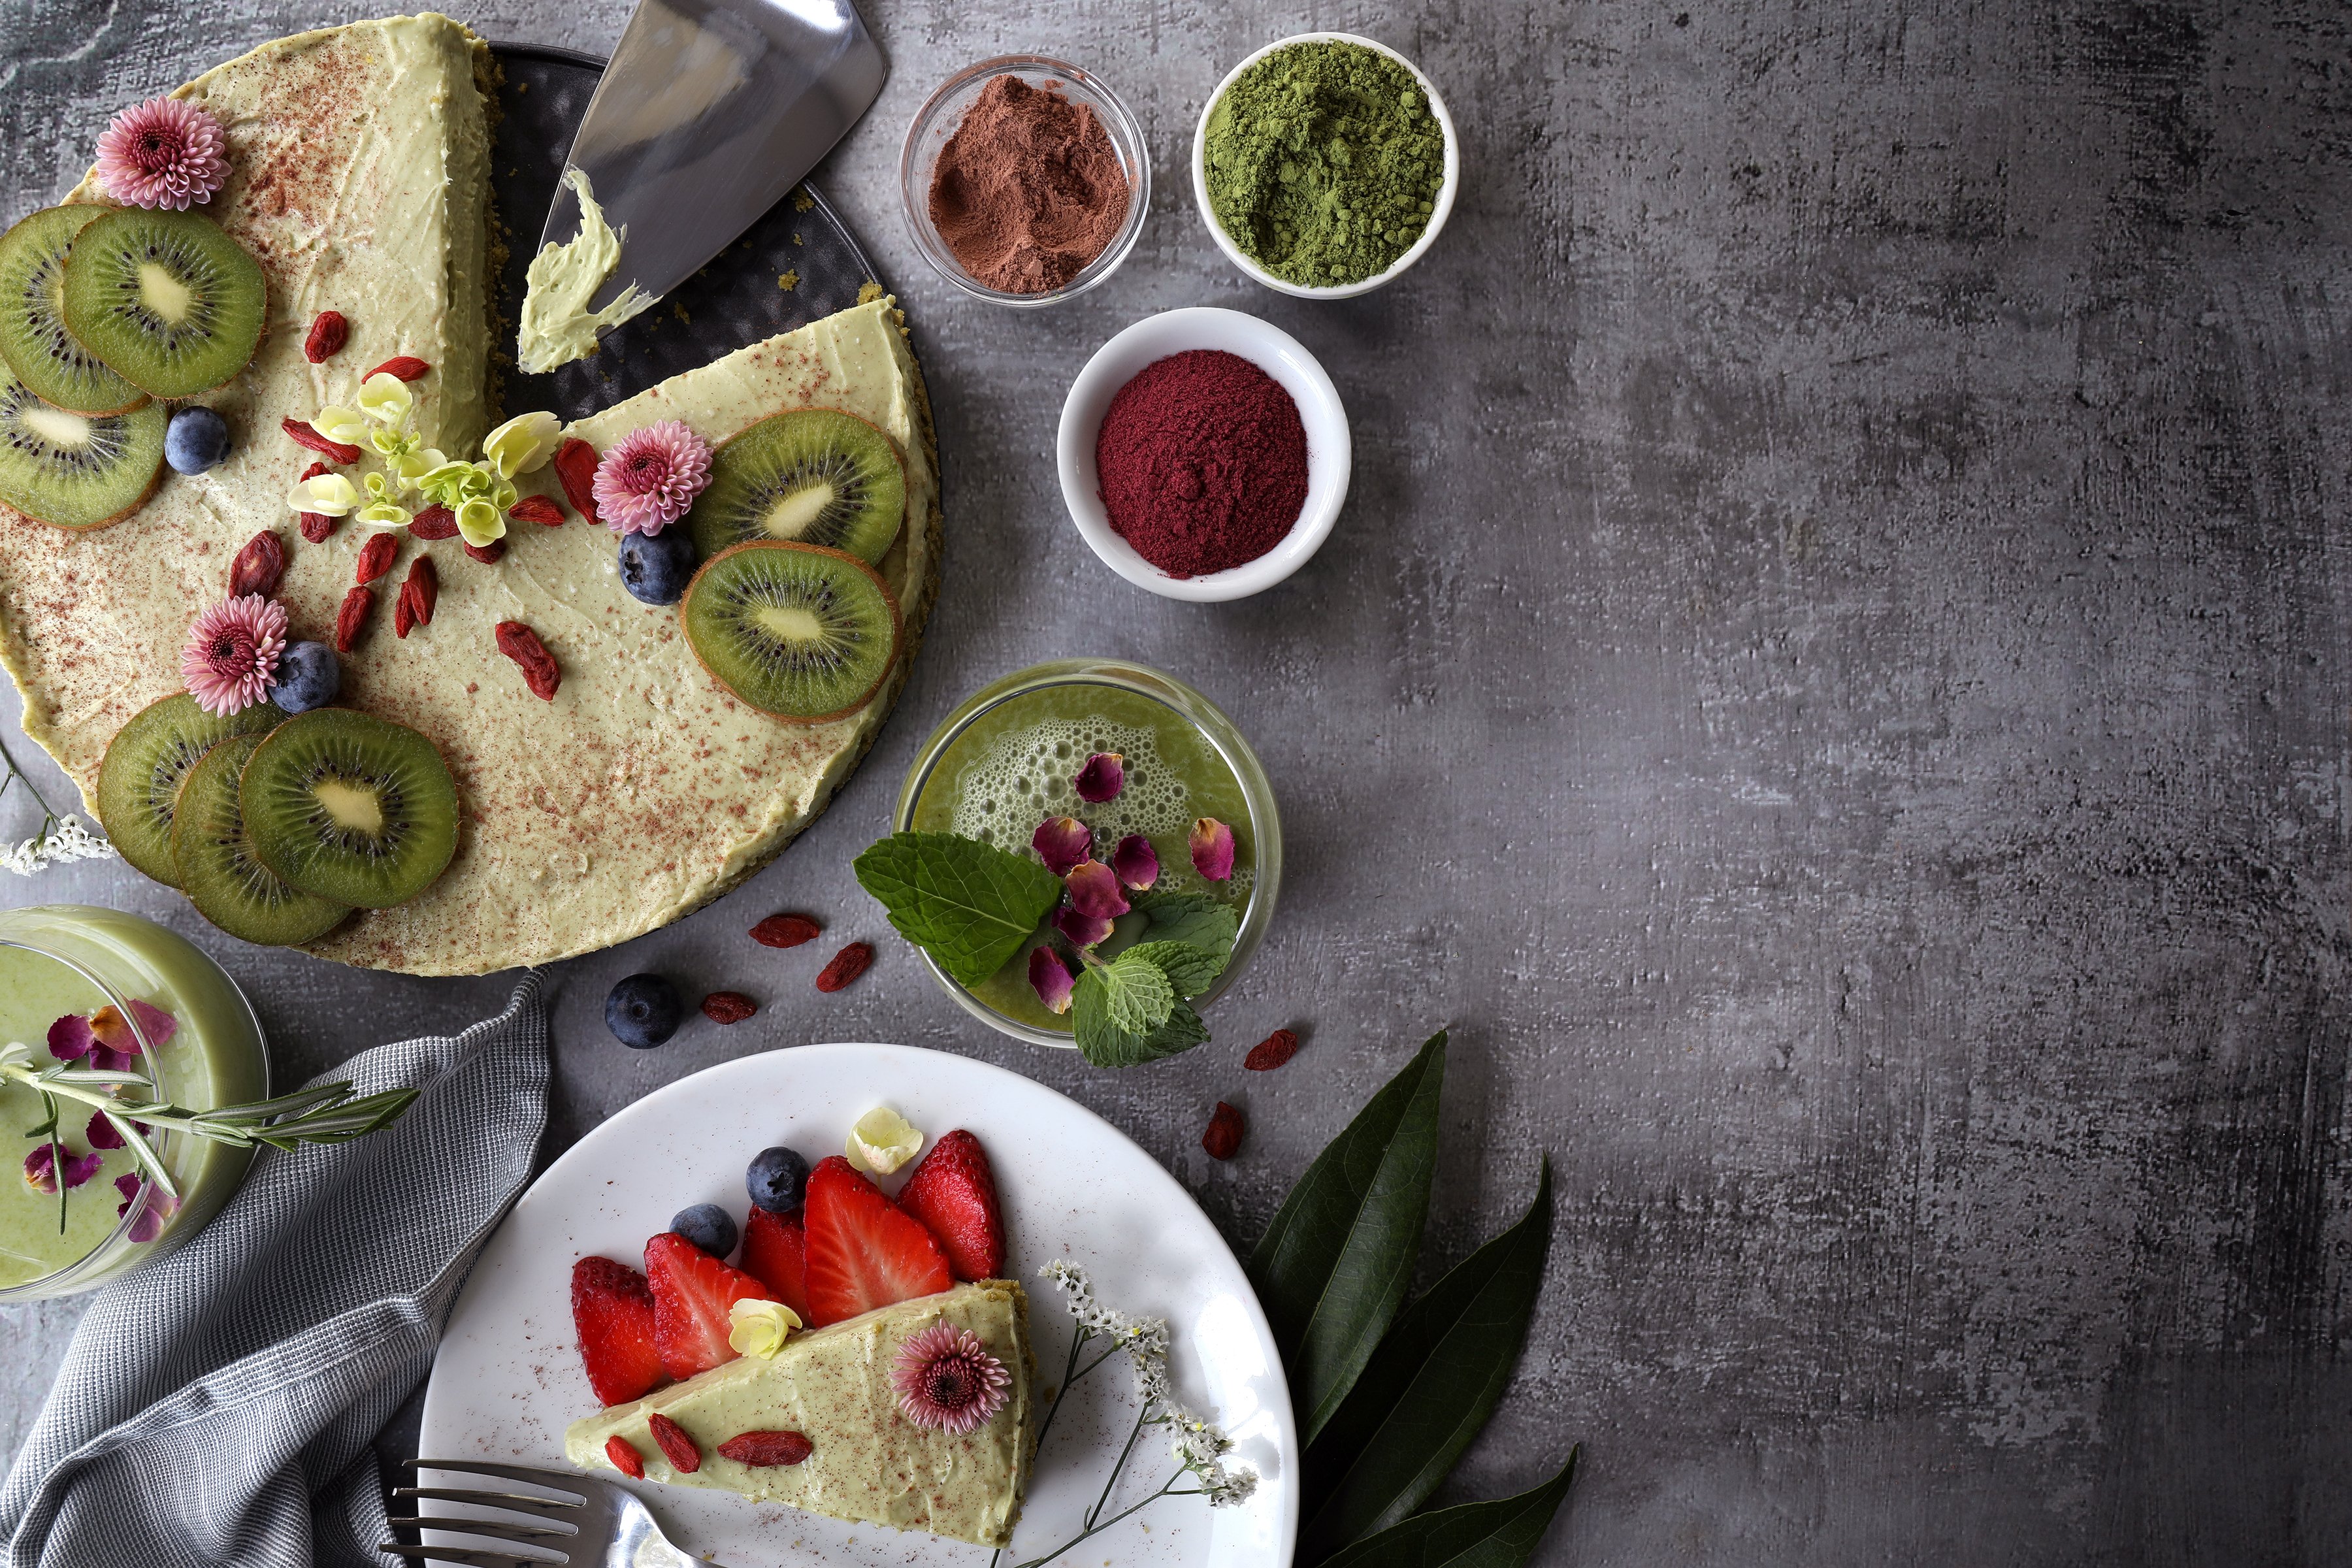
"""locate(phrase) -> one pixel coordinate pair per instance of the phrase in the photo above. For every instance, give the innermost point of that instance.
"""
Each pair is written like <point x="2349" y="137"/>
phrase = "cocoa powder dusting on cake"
<point x="1029" y="189"/>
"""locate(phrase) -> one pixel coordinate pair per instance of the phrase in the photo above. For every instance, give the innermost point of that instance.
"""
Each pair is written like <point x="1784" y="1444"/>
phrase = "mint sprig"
<point x="969" y="905"/>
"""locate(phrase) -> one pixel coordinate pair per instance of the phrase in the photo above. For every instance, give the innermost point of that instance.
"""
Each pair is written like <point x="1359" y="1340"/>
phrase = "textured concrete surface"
<point x="1833" y="680"/>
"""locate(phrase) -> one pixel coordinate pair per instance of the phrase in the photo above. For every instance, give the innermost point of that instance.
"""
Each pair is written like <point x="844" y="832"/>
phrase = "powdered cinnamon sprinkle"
<point x="1029" y="189"/>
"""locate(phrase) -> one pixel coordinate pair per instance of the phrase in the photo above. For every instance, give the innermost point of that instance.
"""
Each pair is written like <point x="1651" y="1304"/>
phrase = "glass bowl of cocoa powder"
<point x="1025" y="179"/>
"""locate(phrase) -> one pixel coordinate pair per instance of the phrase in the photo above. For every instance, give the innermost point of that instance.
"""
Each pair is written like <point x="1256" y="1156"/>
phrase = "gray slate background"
<point x="1833" y="680"/>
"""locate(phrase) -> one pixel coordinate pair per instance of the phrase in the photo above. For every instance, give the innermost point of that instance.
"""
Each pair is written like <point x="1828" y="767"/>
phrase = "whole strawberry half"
<point x="613" y="1313"/>
<point x="775" y="1253"/>
<point x="954" y="1193"/>
<point x="692" y="1291"/>
<point x="864" y="1251"/>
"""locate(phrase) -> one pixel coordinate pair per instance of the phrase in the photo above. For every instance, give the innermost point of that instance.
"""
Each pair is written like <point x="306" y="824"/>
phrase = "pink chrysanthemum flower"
<point x="164" y="153"/>
<point x="647" y="482"/>
<point x="946" y="1382"/>
<point x="232" y="653"/>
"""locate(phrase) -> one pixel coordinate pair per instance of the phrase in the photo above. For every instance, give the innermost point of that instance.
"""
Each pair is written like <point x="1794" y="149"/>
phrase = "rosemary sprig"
<point x="322" y="1113"/>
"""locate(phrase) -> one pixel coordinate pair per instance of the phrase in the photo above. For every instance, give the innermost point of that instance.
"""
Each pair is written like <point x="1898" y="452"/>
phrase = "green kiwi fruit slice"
<point x="349" y="807"/>
<point x="147" y="761"/>
<point x="73" y="470"/>
<point x="805" y="634"/>
<point x="810" y="476"/>
<point x="222" y="876"/>
<point x="171" y="304"/>
<point x="32" y="337"/>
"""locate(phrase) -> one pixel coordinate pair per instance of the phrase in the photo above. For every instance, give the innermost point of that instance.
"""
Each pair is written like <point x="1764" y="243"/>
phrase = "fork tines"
<point x="491" y="1530"/>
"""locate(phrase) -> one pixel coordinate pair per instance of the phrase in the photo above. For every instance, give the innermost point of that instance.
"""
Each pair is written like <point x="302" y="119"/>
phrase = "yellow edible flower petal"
<point x="522" y="443"/>
<point x="882" y="1142"/>
<point x="385" y="398"/>
<point x="329" y="494"/>
<point x="384" y="514"/>
<point x="756" y="1328"/>
<point x="480" y="524"/>
<point x="411" y="467"/>
<point x="348" y="425"/>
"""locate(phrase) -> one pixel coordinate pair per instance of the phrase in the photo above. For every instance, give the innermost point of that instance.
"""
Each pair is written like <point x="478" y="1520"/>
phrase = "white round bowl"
<point x="1330" y="455"/>
<point x="1439" y="210"/>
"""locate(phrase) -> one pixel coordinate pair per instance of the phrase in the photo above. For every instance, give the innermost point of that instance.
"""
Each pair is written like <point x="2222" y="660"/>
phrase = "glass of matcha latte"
<point x="99" y="989"/>
<point x="1011" y="757"/>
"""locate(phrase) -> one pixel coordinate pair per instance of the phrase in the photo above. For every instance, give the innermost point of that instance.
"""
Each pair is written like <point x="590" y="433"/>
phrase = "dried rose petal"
<point x="1095" y="890"/>
<point x="160" y="1205"/>
<point x="1051" y="979"/>
<point x="71" y="1038"/>
<point x="41" y="1175"/>
<point x="1136" y="862"/>
<point x="1102" y="778"/>
<point x="1211" y="843"/>
<point x="1084" y="930"/>
<point x="101" y="1133"/>
<point x="1061" y="842"/>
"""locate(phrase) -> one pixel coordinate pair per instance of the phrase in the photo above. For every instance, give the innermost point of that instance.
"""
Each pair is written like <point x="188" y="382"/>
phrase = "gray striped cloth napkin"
<point x="217" y="1407"/>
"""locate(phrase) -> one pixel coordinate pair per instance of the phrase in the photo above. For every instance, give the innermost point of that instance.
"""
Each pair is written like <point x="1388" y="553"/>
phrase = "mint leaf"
<point x="1190" y="969"/>
<point x="1128" y="993"/>
<point x="969" y="905"/>
<point x="1108" y="1047"/>
<point x="1128" y="1012"/>
<point x="1194" y="918"/>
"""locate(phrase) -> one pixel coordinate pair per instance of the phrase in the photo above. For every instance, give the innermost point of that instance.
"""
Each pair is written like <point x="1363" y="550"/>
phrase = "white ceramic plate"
<point x="508" y="1380"/>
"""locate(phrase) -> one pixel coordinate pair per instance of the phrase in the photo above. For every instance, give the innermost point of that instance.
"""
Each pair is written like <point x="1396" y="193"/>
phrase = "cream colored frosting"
<point x="557" y="327"/>
<point x="868" y="1463"/>
<point x="359" y="175"/>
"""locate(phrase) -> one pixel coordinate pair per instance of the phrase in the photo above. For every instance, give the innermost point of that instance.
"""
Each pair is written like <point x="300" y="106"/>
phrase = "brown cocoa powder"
<point x="1029" y="189"/>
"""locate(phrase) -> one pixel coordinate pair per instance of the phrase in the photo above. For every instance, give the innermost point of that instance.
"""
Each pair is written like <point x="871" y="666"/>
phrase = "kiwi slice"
<point x="228" y="883"/>
<point x="145" y="764"/>
<point x="811" y="477"/>
<point x="349" y="807"/>
<point x="32" y="337"/>
<point x="73" y="470"/>
<point x="804" y="634"/>
<point x="170" y="302"/>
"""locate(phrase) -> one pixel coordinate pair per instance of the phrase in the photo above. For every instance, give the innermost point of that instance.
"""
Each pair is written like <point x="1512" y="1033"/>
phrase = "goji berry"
<point x="767" y="1447"/>
<point x="434" y="523"/>
<point x="408" y="367"/>
<point x="328" y="332"/>
<point x="674" y="1443"/>
<point x="489" y="554"/>
<point x="520" y="644"/>
<point x="304" y="435"/>
<point x="785" y="931"/>
<point x="1223" y="1138"/>
<point x="537" y="508"/>
<point x="375" y="557"/>
<point x="727" y="1007"/>
<point x="351" y="619"/>
<point x="575" y="466"/>
<point x="258" y="568"/>
<point x="1272" y="1051"/>
<point x="624" y="1456"/>
<point x="847" y="964"/>
<point x="419" y="591"/>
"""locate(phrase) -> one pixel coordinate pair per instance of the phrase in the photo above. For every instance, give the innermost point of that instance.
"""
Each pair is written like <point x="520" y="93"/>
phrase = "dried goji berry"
<point x="674" y="1443"/>
<point x="317" y="527"/>
<point x="1272" y="1051"/>
<point x="624" y="1456"/>
<point x="303" y="435"/>
<point x="727" y="1007"/>
<point x="375" y="556"/>
<point x="351" y="619"/>
<point x="785" y="931"/>
<point x="520" y="644"/>
<point x="408" y="367"/>
<point x="258" y="568"/>
<point x="575" y="466"/>
<point x="537" y="508"/>
<point x="847" y="964"/>
<point x="767" y="1447"/>
<point x="1223" y="1138"/>
<point x="419" y="591"/>
<point x="489" y="554"/>
<point x="328" y="332"/>
<point x="434" y="523"/>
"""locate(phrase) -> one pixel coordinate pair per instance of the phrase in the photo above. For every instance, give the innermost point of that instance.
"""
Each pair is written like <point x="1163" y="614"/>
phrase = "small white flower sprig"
<point x="1200" y="1445"/>
<point x="63" y="836"/>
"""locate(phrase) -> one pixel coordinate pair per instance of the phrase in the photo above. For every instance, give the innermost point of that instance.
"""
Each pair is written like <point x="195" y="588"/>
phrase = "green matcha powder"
<point x="1324" y="163"/>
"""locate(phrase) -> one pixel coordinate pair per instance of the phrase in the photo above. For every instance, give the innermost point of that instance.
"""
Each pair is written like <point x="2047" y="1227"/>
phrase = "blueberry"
<point x="643" y="1011"/>
<point x="657" y="567"/>
<point x="777" y="1180"/>
<point x="707" y="1225"/>
<point x="195" y="439"/>
<point x="308" y="677"/>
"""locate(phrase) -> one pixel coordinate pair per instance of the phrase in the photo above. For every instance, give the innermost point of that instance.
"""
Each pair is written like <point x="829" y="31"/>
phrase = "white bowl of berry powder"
<point x="1203" y="454"/>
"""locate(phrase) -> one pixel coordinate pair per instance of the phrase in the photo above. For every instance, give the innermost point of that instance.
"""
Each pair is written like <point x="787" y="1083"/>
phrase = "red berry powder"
<point x="1203" y="462"/>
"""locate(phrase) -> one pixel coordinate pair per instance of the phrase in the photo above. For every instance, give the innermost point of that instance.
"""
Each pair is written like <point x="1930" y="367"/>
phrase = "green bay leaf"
<point x="1503" y="1533"/>
<point x="969" y="905"/>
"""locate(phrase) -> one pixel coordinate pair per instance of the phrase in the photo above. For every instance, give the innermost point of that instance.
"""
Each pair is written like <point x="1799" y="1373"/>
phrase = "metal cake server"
<point x="709" y="112"/>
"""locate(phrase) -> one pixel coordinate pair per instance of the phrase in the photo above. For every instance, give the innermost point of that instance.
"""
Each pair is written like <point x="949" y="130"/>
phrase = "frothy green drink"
<point x="56" y="960"/>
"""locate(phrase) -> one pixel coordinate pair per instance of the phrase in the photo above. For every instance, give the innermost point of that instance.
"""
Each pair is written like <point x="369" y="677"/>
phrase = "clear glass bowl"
<point x="216" y="1056"/>
<point x="1205" y="718"/>
<point x="944" y="110"/>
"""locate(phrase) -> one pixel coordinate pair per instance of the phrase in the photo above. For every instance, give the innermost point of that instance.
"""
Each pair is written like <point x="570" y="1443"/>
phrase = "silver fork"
<point x="594" y="1524"/>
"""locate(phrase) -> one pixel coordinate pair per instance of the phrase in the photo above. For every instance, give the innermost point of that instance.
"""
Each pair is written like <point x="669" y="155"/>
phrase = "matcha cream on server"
<point x="557" y="327"/>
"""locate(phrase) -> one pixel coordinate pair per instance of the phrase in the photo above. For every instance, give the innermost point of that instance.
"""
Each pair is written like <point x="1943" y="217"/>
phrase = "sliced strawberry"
<point x="954" y="1193"/>
<point x="864" y="1251"/>
<point x="775" y="1253"/>
<point x="613" y="1313"/>
<point x="692" y="1291"/>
